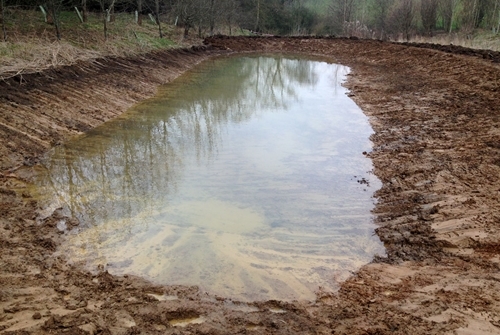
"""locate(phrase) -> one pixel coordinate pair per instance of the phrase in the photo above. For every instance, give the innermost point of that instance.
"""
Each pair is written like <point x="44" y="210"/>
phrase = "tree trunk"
<point x="498" y="25"/>
<point x="157" y="10"/>
<point x="229" y="23"/>
<point x="2" y="10"/>
<point x="139" y="10"/>
<point x="212" y="18"/>
<point x="84" y="10"/>
<point x="106" y="13"/>
<point x="453" y="7"/>
<point x="105" y="22"/>
<point x="53" y="11"/>
<point x="258" y="16"/>
<point x="159" y="27"/>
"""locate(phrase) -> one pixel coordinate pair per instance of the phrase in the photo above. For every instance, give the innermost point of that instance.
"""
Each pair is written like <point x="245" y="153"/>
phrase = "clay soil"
<point x="436" y="116"/>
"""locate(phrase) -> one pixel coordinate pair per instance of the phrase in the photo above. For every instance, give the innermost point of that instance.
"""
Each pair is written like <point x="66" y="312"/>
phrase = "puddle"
<point x="241" y="177"/>
<point x="163" y="297"/>
<point x="185" y="322"/>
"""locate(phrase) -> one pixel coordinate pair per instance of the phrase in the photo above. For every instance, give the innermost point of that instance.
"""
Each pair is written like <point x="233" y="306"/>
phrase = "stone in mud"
<point x="89" y="328"/>
<point x="75" y="304"/>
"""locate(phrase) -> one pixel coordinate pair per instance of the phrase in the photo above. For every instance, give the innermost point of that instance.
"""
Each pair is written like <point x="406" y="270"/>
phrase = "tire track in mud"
<point x="436" y="146"/>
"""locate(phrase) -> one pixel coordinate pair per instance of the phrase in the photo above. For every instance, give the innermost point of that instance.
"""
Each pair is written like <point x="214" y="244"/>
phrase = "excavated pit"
<point x="436" y="147"/>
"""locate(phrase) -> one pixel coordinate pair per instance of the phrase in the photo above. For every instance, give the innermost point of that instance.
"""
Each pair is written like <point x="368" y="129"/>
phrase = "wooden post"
<point x="151" y="17"/>
<point x="79" y="15"/>
<point x="44" y="13"/>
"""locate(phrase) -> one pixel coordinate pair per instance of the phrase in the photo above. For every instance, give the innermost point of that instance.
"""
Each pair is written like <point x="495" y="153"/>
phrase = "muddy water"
<point x="245" y="177"/>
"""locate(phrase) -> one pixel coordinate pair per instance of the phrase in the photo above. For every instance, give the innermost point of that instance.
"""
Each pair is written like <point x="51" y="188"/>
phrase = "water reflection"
<point x="239" y="177"/>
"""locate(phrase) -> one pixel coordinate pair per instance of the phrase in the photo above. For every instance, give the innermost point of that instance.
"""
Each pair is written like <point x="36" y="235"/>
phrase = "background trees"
<point x="402" y="18"/>
<point x="342" y="12"/>
<point x="428" y="13"/>
<point x="405" y="18"/>
<point x="382" y="19"/>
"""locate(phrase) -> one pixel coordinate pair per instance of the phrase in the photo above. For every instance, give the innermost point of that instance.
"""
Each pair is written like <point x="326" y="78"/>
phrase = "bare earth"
<point x="436" y="116"/>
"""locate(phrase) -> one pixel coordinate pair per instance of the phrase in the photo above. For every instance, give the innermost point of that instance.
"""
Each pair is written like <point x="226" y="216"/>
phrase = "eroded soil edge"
<point x="436" y="150"/>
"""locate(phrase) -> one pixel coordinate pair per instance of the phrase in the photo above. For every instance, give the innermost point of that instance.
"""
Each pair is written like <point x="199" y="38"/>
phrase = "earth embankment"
<point x="436" y="118"/>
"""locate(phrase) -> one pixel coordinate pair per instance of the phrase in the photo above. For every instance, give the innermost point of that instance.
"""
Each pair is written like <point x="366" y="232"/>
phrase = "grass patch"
<point x="482" y="39"/>
<point x="32" y="45"/>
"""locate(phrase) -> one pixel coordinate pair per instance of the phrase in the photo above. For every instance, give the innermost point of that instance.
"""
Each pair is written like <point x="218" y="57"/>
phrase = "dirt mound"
<point x="436" y="146"/>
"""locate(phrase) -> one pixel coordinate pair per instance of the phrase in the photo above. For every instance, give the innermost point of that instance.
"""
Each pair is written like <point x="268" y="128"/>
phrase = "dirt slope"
<point x="436" y="116"/>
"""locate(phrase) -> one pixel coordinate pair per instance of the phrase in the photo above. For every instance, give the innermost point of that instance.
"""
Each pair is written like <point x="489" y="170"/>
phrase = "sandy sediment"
<point x="436" y="117"/>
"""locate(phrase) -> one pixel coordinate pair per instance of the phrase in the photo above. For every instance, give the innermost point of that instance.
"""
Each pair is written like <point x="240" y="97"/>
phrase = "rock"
<point x="124" y="319"/>
<point x="89" y="328"/>
<point x="75" y="304"/>
<point x="37" y="316"/>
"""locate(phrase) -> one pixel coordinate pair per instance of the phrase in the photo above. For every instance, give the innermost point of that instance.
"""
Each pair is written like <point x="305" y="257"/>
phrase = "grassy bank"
<point x="32" y="46"/>
<point x="481" y="39"/>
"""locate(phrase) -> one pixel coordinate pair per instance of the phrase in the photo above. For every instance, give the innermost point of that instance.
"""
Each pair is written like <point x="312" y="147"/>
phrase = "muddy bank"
<point x="43" y="109"/>
<point x="436" y="148"/>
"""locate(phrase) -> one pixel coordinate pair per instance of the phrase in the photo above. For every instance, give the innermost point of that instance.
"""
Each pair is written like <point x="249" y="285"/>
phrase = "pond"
<point x="245" y="176"/>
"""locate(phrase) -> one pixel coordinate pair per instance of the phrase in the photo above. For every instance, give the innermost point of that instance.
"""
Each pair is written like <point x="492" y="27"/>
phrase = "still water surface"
<point x="240" y="177"/>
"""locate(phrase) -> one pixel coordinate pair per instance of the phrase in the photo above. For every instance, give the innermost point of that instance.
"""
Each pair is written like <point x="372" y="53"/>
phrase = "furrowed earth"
<point x="435" y="111"/>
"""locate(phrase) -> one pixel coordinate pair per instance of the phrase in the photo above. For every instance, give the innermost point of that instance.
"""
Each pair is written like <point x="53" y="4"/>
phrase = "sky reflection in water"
<point x="238" y="177"/>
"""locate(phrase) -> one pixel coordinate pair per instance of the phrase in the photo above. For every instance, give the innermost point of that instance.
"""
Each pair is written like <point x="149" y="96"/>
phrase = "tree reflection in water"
<point x="171" y="180"/>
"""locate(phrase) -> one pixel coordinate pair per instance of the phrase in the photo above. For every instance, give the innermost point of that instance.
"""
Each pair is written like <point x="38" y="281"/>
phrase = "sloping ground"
<point x="436" y="117"/>
<point x="41" y="110"/>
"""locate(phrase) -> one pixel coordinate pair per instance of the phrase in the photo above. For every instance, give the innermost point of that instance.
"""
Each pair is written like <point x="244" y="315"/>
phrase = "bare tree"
<point x="54" y="6"/>
<point x="230" y="13"/>
<point x="497" y="5"/>
<point x="470" y="15"/>
<point x="342" y="12"/>
<point x="302" y="18"/>
<point x="139" y="12"/>
<point x="257" y="17"/>
<point x="85" y="13"/>
<point x="2" y="17"/>
<point x="212" y="14"/>
<point x="106" y="13"/>
<point x="186" y="11"/>
<point x="380" y="12"/>
<point x="428" y="12"/>
<point x="448" y="9"/>
<point x="157" y="14"/>
<point x="202" y="15"/>
<point x="494" y="16"/>
<point x="402" y="18"/>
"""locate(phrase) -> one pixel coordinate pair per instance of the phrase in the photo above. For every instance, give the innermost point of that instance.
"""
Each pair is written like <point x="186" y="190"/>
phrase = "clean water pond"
<point x="245" y="176"/>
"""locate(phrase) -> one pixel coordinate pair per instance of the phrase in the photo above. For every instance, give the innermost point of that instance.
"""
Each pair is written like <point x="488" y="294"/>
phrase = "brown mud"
<point x="436" y="117"/>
